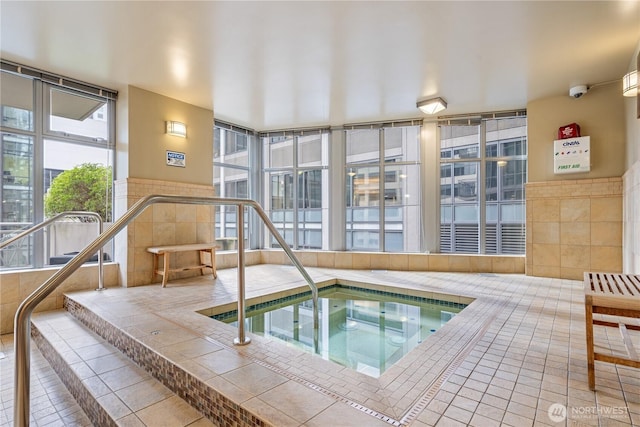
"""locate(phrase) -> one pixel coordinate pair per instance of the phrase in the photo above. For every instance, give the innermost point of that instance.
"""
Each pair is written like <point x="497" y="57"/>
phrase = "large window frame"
<point x="391" y="222"/>
<point x="35" y="110"/>
<point x="234" y="163"/>
<point x="296" y="186"/>
<point x="282" y="187"/>
<point x="482" y="175"/>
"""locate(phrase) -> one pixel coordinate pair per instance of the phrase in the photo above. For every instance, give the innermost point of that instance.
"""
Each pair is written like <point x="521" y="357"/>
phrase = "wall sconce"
<point x="630" y="84"/>
<point x="432" y="106"/>
<point x="177" y="129"/>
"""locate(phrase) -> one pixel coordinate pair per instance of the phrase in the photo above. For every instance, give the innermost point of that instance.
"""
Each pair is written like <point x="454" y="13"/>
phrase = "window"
<point x="74" y="115"/>
<point x="232" y="150"/>
<point x="47" y="131"/>
<point x="296" y="187"/>
<point x="487" y="218"/>
<point x="17" y="102"/>
<point x="383" y="214"/>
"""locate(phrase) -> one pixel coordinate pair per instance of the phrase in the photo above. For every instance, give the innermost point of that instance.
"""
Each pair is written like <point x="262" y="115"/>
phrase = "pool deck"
<point x="506" y="359"/>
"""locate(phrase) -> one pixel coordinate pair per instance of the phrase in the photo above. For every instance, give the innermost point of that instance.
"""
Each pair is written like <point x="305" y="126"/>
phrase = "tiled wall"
<point x="19" y="284"/>
<point x="401" y="262"/>
<point x="161" y="224"/>
<point x="631" y="258"/>
<point x="573" y="227"/>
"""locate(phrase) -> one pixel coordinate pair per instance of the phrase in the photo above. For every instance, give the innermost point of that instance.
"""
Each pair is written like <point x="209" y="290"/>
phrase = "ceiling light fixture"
<point x="177" y="129"/>
<point x="432" y="105"/>
<point x="630" y="84"/>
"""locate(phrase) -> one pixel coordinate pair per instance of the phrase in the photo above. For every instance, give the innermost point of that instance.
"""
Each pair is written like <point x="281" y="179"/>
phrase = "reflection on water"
<point x="364" y="331"/>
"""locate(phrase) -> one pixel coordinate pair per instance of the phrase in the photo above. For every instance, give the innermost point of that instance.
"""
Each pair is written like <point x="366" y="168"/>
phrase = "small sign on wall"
<point x="572" y="155"/>
<point x="175" y="158"/>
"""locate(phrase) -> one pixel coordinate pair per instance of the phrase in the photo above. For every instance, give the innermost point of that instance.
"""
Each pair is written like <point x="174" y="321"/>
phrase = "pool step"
<point x="140" y="342"/>
<point x="110" y="387"/>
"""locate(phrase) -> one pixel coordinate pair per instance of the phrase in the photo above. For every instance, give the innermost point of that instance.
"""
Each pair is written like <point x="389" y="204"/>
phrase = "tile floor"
<point x="510" y="358"/>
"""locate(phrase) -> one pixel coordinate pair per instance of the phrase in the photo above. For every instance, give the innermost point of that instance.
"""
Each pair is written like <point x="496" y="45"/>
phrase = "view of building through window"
<point x="382" y="203"/>
<point x="296" y="186"/>
<point x="483" y="169"/>
<point x="231" y="179"/>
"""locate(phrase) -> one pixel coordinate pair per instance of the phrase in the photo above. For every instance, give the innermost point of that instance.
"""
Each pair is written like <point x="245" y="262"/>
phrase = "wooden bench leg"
<point x="154" y="272"/>
<point x="588" y="310"/>
<point x="212" y="254"/>
<point x="165" y="269"/>
<point x="213" y="263"/>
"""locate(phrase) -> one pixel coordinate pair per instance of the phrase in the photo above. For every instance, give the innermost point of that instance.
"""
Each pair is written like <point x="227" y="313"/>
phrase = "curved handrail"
<point x="22" y="328"/>
<point x="53" y="219"/>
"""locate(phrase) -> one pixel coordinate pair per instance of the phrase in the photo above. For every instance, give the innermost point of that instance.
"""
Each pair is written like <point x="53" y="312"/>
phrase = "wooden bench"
<point x="166" y="251"/>
<point x="614" y="295"/>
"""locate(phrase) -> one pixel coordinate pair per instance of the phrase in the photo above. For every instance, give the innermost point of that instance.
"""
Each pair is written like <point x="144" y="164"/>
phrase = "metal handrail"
<point x="55" y="218"/>
<point x="22" y="328"/>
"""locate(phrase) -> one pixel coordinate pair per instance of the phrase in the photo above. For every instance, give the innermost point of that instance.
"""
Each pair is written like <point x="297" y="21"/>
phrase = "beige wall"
<point x="600" y="114"/>
<point x="148" y="142"/>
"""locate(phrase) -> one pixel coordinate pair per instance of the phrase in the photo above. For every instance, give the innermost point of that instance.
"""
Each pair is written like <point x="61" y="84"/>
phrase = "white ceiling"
<point x="273" y="65"/>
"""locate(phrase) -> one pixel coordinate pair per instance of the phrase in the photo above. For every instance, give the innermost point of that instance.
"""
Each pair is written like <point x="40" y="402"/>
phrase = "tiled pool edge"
<point x="221" y="314"/>
<point x="215" y="407"/>
<point x="491" y="311"/>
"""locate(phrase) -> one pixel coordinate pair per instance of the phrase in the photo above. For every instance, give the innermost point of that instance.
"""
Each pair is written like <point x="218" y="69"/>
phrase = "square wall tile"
<point x="546" y="255"/>
<point x="459" y="263"/>
<point x="379" y="261"/>
<point x="418" y="262"/>
<point x="326" y="259"/>
<point x="575" y="233"/>
<point x="399" y="262"/>
<point x="438" y="262"/>
<point x="361" y="261"/>
<point x="575" y="210"/>
<point x="606" y="209"/>
<point x="546" y="210"/>
<point x="606" y="258"/>
<point x="606" y="233"/>
<point x="575" y="256"/>
<point x="546" y="232"/>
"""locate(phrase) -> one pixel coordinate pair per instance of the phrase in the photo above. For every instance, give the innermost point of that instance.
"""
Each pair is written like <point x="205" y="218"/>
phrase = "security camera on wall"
<point x="578" y="91"/>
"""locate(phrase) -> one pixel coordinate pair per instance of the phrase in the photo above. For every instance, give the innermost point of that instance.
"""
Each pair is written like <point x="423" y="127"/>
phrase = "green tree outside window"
<point x="86" y="187"/>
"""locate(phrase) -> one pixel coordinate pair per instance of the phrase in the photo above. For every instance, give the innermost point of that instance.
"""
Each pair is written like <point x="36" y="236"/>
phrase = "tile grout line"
<point x="447" y="371"/>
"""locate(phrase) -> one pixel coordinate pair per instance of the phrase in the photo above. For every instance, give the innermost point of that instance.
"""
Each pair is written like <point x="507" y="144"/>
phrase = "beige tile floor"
<point x="506" y="359"/>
